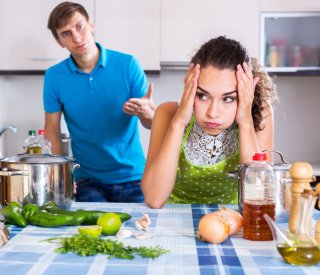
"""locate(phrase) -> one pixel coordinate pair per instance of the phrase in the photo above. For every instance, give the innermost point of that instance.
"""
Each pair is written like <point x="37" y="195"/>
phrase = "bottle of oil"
<point x="258" y="199"/>
<point x="30" y="144"/>
<point x="305" y="250"/>
<point x="43" y="142"/>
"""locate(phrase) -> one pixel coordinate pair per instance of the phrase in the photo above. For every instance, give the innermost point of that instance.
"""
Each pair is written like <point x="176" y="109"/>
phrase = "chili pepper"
<point x="93" y="215"/>
<point x="13" y="214"/>
<point x="49" y="204"/>
<point x="29" y="210"/>
<point x="46" y="219"/>
<point x="78" y="217"/>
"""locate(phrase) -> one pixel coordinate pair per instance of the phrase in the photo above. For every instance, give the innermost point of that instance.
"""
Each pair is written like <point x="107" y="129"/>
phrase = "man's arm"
<point x="53" y="131"/>
<point x="143" y="107"/>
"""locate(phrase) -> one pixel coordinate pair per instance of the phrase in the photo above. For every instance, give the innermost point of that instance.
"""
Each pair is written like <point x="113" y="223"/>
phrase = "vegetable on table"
<point x="46" y="219"/>
<point x="13" y="214"/>
<point x="85" y="245"/>
<point x="29" y="210"/>
<point x="92" y="216"/>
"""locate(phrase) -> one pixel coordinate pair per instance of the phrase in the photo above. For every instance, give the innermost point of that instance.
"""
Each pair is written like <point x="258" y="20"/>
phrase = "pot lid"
<point x="37" y="159"/>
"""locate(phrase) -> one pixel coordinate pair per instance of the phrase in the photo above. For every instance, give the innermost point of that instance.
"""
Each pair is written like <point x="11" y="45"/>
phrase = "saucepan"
<point x="37" y="178"/>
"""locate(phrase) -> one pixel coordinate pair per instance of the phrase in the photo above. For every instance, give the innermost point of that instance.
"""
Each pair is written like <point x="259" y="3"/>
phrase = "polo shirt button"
<point x="90" y="78"/>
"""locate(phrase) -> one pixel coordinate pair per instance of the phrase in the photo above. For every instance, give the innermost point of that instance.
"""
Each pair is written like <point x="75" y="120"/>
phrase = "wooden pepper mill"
<point x="301" y="174"/>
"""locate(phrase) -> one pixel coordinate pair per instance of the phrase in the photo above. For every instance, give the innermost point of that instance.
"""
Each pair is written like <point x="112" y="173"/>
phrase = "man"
<point x="101" y="93"/>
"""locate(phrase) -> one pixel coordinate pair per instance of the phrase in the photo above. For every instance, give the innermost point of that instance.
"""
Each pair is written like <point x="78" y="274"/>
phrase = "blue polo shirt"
<point x="105" y="140"/>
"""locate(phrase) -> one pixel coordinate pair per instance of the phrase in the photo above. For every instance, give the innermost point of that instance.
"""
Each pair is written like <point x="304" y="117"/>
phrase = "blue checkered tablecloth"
<point x="25" y="254"/>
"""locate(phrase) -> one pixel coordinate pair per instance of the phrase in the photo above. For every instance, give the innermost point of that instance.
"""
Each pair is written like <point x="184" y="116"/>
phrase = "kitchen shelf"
<point x="290" y="43"/>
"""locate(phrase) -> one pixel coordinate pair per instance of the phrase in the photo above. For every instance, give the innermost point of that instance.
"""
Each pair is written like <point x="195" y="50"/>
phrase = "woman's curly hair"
<point x="223" y="53"/>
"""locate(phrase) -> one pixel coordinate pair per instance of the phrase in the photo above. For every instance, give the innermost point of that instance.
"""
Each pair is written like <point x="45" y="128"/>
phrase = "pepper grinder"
<point x="301" y="174"/>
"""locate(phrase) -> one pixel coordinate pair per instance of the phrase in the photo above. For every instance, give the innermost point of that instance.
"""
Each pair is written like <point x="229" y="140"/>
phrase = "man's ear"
<point x="60" y="43"/>
<point x="93" y="27"/>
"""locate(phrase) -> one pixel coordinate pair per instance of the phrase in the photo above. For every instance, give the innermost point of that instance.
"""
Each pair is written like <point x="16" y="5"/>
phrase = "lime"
<point x="110" y="223"/>
<point x="93" y="231"/>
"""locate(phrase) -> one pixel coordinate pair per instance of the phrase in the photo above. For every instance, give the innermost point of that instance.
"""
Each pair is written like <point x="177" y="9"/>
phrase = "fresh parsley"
<point x="85" y="245"/>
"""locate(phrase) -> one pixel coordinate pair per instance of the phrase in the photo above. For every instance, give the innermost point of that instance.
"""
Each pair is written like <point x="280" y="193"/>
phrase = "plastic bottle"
<point x="43" y="142"/>
<point x="258" y="199"/>
<point x="30" y="144"/>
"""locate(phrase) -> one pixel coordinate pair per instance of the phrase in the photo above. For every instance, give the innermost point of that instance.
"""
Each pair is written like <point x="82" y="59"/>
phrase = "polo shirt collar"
<point x="101" y="62"/>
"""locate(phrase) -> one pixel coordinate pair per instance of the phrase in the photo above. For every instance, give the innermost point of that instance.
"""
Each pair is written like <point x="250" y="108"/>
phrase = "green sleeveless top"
<point x="205" y="184"/>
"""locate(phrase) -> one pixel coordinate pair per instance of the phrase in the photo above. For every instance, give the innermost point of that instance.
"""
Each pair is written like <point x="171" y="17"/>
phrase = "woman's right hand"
<point x="185" y="109"/>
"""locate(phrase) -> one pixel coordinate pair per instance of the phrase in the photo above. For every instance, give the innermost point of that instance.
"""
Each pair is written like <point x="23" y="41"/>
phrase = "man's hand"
<point x="143" y="107"/>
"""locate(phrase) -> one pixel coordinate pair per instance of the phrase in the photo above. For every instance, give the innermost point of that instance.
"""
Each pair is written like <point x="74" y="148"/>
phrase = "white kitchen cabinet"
<point x="289" y="5"/>
<point x="186" y="24"/>
<point x="130" y="26"/>
<point x="26" y="42"/>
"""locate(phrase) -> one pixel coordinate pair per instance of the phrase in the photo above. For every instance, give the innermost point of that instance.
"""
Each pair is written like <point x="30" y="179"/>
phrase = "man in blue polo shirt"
<point x="101" y="93"/>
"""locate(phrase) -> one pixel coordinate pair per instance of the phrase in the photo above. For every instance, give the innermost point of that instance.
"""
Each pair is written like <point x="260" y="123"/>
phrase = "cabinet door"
<point x="130" y="26"/>
<point x="26" y="43"/>
<point x="186" y="24"/>
<point x="290" y="5"/>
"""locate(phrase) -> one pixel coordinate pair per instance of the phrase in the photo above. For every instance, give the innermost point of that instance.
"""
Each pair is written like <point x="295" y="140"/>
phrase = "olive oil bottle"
<point x="299" y="255"/>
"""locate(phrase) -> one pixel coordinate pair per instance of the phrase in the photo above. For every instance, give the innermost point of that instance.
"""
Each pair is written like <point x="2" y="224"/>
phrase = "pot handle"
<point x="233" y="174"/>
<point x="312" y="179"/>
<point x="279" y="153"/>
<point x="8" y="173"/>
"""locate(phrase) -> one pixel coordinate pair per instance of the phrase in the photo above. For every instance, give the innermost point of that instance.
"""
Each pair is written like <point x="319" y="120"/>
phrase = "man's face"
<point x="77" y="35"/>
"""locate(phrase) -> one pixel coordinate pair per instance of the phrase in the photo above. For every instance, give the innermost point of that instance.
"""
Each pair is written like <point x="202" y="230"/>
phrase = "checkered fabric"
<point x="177" y="224"/>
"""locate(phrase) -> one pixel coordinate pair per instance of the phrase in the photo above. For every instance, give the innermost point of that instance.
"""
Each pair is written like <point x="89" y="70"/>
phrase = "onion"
<point x="233" y="217"/>
<point x="213" y="228"/>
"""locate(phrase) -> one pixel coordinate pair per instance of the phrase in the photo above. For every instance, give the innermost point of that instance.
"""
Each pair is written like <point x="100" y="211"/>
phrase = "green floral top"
<point x="203" y="165"/>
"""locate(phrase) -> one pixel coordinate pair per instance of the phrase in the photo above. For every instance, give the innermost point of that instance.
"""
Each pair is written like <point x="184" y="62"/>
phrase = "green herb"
<point x="85" y="245"/>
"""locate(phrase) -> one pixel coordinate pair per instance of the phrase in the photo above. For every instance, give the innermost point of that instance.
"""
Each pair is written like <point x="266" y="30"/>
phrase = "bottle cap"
<point x="32" y="132"/>
<point x="259" y="156"/>
<point x="41" y="132"/>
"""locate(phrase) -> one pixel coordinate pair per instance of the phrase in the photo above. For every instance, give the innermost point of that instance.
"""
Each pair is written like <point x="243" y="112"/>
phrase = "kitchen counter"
<point x="25" y="254"/>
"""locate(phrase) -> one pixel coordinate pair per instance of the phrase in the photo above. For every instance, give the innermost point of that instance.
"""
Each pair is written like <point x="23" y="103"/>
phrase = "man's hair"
<point x="62" y="13"/>
<point x="224" y="53"/>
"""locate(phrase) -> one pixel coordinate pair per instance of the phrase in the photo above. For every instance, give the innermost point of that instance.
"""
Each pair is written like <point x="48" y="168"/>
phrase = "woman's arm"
<point x="167" y="133"/>
<point x="251" y="141"/>
<point x="163" y="156"/>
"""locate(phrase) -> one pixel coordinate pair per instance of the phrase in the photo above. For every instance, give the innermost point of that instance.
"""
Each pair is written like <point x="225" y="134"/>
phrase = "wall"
<point x="297" y="127"/>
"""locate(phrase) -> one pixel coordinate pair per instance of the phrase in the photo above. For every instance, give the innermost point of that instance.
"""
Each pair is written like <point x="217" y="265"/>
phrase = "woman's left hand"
<point x="246" y="86"/>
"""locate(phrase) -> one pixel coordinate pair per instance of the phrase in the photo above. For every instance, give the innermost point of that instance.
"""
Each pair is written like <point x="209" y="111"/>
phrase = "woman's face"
<point x="216" y="100"/>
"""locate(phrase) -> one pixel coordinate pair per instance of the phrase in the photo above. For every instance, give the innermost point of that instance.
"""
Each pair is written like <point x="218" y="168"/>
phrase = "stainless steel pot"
<point x="282" y="179"/>
<point x="37" y="178"/>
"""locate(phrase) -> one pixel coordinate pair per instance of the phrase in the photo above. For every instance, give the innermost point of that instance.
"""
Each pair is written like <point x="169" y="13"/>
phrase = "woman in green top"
<point x="225" y="115"/>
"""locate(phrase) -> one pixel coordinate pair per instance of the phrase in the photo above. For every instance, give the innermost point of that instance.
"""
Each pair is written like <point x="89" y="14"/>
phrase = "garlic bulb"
<point x="143" y="223"/>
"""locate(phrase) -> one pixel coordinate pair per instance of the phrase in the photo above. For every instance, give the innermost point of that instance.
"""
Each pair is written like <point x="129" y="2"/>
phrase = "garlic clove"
<point x="125" y="233"/>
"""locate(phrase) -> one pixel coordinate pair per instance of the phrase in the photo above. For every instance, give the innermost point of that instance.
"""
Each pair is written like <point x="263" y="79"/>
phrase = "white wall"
<point x="297" y="127"/>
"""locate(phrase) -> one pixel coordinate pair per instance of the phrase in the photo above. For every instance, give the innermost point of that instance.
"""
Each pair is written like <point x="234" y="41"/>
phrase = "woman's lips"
<point x="212" y="125"/>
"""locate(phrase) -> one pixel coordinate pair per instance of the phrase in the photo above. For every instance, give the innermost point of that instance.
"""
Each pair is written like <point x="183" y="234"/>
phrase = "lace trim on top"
<point x="204" y="149"/>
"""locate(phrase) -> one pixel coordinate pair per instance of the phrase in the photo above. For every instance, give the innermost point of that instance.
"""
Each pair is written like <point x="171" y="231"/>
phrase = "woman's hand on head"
<point x="246" y="86"/>
<point x="185" y="109"/>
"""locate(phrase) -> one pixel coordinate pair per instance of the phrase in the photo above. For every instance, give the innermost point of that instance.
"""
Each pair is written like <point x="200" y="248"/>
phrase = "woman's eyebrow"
<point x="206" y="92"/>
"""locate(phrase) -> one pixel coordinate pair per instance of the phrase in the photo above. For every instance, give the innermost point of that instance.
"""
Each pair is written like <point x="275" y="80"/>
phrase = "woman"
<point x="225" y="115"/>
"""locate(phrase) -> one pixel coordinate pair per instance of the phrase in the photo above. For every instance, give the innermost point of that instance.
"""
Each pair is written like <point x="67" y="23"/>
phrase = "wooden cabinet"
<point x="26" y="43"/>
<point x="186" y="24"/>
<point x="289" y="5"/>
<point x="130" y="26"/>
